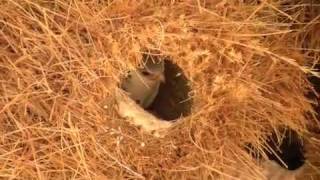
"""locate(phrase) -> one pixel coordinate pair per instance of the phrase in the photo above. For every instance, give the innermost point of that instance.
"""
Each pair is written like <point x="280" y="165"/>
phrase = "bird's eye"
<point x="145" y="73"/>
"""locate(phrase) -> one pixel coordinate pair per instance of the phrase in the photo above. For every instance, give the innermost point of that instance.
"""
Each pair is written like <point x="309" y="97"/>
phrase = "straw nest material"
<point x="61" y="63"/>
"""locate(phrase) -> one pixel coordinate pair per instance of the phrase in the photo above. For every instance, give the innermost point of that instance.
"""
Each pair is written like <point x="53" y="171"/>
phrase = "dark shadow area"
<point x="172" y="101"/>
<point x="290" y="150"/>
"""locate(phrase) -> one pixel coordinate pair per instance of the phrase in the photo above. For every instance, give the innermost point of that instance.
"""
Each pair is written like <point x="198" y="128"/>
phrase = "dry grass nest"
<point x="61" y="61"/>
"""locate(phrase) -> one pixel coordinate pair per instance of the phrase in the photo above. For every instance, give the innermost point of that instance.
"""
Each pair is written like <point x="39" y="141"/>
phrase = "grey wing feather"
<point x="136" y="88"/>
<point x="151" y="96"/>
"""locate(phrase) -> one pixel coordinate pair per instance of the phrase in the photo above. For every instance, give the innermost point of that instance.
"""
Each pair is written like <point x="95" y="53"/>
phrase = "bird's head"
<point x="153" y="70"/>
<point x="153" y="75"/>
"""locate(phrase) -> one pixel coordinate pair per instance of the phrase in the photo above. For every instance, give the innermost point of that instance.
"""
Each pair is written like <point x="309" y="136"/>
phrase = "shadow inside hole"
<point x="289" y="150"/>
<point x="172" y="101"/>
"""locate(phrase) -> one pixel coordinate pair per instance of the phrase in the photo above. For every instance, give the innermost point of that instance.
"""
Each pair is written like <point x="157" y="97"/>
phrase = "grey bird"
<point x="143" y="84"/>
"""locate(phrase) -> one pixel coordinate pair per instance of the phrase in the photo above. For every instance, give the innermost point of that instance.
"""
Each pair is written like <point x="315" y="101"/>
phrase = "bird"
<point x="142" y="84"/>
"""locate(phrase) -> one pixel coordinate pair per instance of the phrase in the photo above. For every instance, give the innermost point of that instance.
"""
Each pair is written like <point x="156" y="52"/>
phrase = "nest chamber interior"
<point x="173" y="99"/>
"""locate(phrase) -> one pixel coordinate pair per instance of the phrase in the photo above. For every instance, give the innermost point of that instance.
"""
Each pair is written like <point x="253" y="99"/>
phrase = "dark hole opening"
<point x="172" y="101"/>
<point x="290" y="150"/>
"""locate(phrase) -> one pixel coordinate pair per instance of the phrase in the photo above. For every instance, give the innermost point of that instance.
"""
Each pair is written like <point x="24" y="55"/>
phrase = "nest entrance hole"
<point x="288" y="153"/>
<point x="172" y="101"/>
